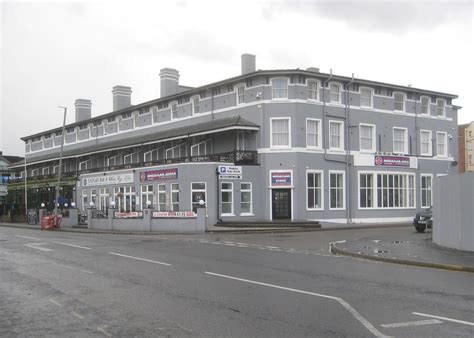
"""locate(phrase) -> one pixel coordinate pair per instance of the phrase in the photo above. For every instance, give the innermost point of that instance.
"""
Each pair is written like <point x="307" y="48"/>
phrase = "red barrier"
<point x="51" y="222"/>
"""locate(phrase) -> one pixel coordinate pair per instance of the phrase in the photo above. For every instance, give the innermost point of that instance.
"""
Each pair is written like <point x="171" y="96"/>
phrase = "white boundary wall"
<point x="453" y="211"/>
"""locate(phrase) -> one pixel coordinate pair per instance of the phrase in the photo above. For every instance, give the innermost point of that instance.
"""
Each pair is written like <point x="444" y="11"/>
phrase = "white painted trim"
<point x="405" y="141"/>
<point x="270" y="188"/>
<point x="343" y="172"/>
<point x="319" y="134"/>
<point x="374" y="133"/>
<point x="421" y="189"/>
<point x="404" y="108"/>
<point x="445" y="144"/>
<point x="371" y="97"/>
<point x="251" y="199"/>
<point x="289" y="132"/>
<point x="287" y="86"/>
<point x="236" y="89"/>
<point x="430" y="146"/>
<point x="205" y="192"/>
<point x="421" y="105"/>
<point x="318" y="87"/>
<point x="321" y="172"/>
<point x="444" y="107"/>
<point x="341" y="135"/>
<point x="232" y="197"/>
<point x="340" y="92"/>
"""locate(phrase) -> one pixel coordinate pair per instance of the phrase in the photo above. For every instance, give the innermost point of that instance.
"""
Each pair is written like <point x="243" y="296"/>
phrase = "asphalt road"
<point x="74" y="284"/>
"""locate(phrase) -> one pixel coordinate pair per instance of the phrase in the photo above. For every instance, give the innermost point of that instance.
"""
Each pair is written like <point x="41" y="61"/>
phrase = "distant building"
<point x="466" y="147"/>
<point x="5" y="175"/>
<point x="267" y="144"/>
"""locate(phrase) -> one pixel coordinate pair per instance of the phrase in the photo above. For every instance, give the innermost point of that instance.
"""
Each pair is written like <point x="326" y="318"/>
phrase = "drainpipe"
<point x="324" y="112"/>
<point x="348" y="171"/>
<point x="219" y="220"/>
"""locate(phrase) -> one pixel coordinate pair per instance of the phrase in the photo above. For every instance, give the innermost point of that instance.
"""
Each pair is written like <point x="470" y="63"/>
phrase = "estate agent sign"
<point x="158" y="175"/>
<point x="107" y="179"/>
<point x="392" y="161"/>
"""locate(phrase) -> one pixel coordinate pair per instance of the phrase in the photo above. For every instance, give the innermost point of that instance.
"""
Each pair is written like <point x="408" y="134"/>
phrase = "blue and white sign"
<point x="230" y="172"/>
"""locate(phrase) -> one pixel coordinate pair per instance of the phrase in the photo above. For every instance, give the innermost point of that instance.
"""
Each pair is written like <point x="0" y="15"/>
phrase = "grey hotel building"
<point x="287" y="144"/>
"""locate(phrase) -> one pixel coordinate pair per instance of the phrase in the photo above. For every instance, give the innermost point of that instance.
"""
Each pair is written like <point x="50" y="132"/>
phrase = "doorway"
<point x="281" y="203"/>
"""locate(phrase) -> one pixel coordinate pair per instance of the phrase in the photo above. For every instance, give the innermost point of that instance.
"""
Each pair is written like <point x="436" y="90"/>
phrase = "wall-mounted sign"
<point x="282" y="178"/>
<point x="157" y="175"/>
<point x="230" y="172"/>
<point x="133" y="214"/>
<point x="174" y="214"/>
<point x="107" y="179"/>
<point x="392" y="161"/>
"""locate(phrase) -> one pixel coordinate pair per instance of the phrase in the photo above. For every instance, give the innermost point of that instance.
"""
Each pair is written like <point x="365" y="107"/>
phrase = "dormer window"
<point x="313" y="87"/>
<point x="280" y="88"/>
<point x="440" y="107"/>
<point x="335" y="92"/>
<point x="399" y="101"/>
<point x="366" y="97"/>
<point x="196" y="105"/>
<point x="174" y="110"/>
<point x="425" y="105"/>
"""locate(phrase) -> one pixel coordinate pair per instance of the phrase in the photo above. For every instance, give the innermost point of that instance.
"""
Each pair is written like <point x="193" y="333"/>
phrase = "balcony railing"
<point x="237" y="157"/>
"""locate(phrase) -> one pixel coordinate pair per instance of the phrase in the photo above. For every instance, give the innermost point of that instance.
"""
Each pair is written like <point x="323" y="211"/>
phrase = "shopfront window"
<point x="198" y="193"/>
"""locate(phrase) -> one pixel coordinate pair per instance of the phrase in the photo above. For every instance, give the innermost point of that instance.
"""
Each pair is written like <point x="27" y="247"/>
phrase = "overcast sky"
<point x="57" y="51"/>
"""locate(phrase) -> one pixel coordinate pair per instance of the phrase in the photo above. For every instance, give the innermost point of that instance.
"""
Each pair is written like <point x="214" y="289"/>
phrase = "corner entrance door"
<point x="281" y="203"/>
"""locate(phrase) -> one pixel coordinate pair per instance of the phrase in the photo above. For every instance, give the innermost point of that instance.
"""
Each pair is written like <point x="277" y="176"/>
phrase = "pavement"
<point x="410" y="248"/>
<point x="63" y="284"/>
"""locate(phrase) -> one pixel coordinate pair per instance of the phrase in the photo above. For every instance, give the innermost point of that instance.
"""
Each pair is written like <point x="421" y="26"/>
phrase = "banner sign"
<point x="157" y="175"/>
<point x="133" y="214"/>
<point x="174" y="214"/>
<point x="281" y="178"/>
<point x="107" y="179"/>
<point x="392" y="161"/>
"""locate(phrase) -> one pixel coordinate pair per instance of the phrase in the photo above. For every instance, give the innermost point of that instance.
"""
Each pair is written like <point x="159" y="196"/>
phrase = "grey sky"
<point x="55" y="52"/>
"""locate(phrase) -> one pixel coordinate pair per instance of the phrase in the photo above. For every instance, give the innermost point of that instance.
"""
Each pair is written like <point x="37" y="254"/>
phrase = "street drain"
<point x="399" y="242"/>
<point x="380" y="251"/>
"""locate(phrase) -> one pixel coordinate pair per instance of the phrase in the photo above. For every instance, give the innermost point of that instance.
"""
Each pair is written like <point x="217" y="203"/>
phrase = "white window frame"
<point x="160" y="191"/>
<point x="199" y="190"/>
<point x="174" y="191"/>
<point x="443" y="108"/>
<point x="125" y="157"/>
<point x="207" y="144"/>
<point x="145" y="194"/>
<point x="403" y="101"/>
<point x="34" y="172"/>
<point x="103" y="201"/>
<point x="241" y="140"/>
<point x="374" y="189"/>
<point x="173" y="104"/>
<point x="87" y="166"/>
<point x="341" y="135"/>
<point x="316" y="91"/>
<point x="400" y="189"/>
<point x="428" y="106"/>
<point x="238" y="97"/>
<point x="430" y="142"/>
<point x="172" y="148"/>
<point x="116" y="157"/>
<point x="287" y="80"/>
<point x="318" y="134"/>
<point x="445" y="136"/>
<point x="371" y="97"/>
<point x="231" y="191"/>
<point x="193" y="104"/>
<point x="250" y="190"/>
<point x="45" y="171"/>
<point x="339" y="101"/>
<point x="373" y="143"/>
<point x="55" y="169"/>
<point x="321" y="173"/>
<point x="405" y="140"/>
<point x="156" y="150"/>
<point x="343" y="188"/>
<point x="426" y="190"/>
<point x="271" y="133"/>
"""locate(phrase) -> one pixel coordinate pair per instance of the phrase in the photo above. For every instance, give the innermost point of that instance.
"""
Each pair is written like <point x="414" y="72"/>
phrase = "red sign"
<point x="174" y="214"/>
<point x="281" y="178"/>
<point x="133" y="214"/>
<point x="157" y="175"/>
<point x="392" y="161"/>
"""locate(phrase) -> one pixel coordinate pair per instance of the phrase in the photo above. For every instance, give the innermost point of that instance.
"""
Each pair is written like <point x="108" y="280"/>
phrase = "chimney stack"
<point x="169" y="81"/>
<point x="248" y="63"/>
<point x="83" y="109"/>
<point x="122" y="97"/>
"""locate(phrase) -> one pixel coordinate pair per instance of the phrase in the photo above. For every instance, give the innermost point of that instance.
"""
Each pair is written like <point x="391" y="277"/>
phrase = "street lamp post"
<point x="60" y="163"/>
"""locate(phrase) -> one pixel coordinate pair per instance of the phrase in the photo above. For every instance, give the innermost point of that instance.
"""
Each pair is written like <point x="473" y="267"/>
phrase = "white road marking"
<point x="35" y="246"/>
<point x="271" y="247"/>
<point x="101" y="329"/>
<point x="34" y="238"/>
<point x="415" y="323"/>
<point x="70" y="267"/>
<point x="73" y="245"/>
<point x="54" y="302"/>
<point x="138" y="258"/>
<point x="77" y="315"/>
<point x="443" y="318"/>
<point x="341" y="301"/>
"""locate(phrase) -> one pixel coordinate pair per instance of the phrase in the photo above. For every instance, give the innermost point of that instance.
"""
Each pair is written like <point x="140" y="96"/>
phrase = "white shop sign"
<point x="230" y="172"/>
<point x="107" y="179"/>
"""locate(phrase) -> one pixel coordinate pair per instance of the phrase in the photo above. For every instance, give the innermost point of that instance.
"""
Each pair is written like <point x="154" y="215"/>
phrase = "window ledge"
<point x="246" y="214"/>
<point x="227" y="215"/>
<point x="316" y="209"/>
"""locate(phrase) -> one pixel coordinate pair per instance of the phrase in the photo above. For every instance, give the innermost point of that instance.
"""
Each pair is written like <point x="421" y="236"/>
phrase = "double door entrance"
<point x="281" y="203"/>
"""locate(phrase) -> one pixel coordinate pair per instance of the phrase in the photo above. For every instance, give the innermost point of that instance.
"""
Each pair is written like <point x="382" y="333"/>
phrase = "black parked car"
<point x="423" y="220"/>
